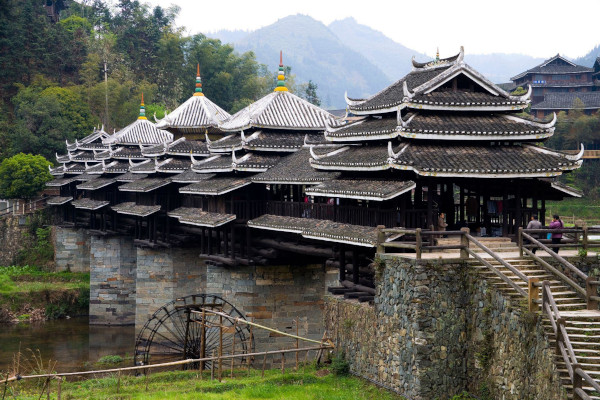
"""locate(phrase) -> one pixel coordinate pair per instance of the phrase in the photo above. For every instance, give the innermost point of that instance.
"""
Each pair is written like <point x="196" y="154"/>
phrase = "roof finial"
<point x="198" y="91"/>
<point x="142" y="109"/>
<point x="437" y="54"/>
<point x="281" y="76"/>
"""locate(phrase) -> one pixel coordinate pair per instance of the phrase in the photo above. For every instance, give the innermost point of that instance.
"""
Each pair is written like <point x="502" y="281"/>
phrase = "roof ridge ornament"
<point x="576" y="157"/>
<point x="198" y="90"/>
<point x="142" y="109"/>
<point x="524" y="97"/>
<point x="391" y="154"/>
<point x="407" y="94"/>
<point x="208" y="141"/>
<point x="281" y="76"/>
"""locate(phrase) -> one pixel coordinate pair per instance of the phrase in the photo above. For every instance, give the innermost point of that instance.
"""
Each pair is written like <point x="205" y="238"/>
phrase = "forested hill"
<point x="52" y="74"/>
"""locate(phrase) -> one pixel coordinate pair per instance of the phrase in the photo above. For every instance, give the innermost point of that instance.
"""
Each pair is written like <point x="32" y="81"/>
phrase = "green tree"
<point x="310" y="94"/>
<point x="23" y="176"/>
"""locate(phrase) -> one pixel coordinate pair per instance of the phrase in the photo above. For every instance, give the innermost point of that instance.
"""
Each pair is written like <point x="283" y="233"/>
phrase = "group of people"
<point x="555" y="236"/>
<point x="533" y="224"/>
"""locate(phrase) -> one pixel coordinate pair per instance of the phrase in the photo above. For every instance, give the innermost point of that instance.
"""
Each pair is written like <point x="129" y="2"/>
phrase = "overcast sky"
<point x="538" y="28"/>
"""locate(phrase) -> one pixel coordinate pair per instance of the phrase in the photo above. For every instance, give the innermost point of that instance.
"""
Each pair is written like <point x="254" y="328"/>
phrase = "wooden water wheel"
<point x="175" y="332"/>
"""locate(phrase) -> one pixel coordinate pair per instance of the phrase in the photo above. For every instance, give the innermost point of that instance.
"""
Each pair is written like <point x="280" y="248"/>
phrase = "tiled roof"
<point x="142" y="132"/>
<point x="473" y="126"/>
<point x="185" y="147"/>
<point x="143" y="167"/>
<point x="453" y="160"/>
<point x="144" y="185"/>
<point x="190" y="176"/>
<point x="318" y="229"/>
<point x="226" y="144"/>
<point x="555" y="65"/>
<point x="294" y="169"/>
<point x="79" y="156"/>
<point x="215" y="186"/>
<point x="174" y="165"/>
<point x="566" y="101"/>
<point x="130" y="208"/>
<point x="197" y="217"/>
<point x="86" y="177"/>
<point x="61" y="181"/>
<point x="198" y="113"/>
<point x="89" y="204"/>
<point x="91" y="141"/>
<point x="462" y="98"/>
<point x="127" y="152"/>
<point x="369" y="128"/>
<point x="75" y="168"/>
<point x="58" y="200"/>
<point x="267" y="140"/>
<point x="394" y="94"/>
<point x="95" y="184"/>
<point x="154" y="150"/>
<point x="215" y="163"/>
<point x="280" y="110"/>
<point x="116" y="167"/>
<point x="366" y="189"/>
<point x="130" y="177"/>
<point x="255" y="162"/>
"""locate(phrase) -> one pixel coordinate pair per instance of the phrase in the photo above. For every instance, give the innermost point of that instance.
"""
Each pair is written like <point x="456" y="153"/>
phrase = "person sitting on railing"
<point x="534" y="224"/>
<point x="556" y="237"/>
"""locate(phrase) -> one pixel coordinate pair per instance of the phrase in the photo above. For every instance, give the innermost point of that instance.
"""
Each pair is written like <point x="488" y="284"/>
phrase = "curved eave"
<point x="374" y="197"/>
<point x="251" y="169"/>
<point x="465" y="107"/>
<point x="337" y="240"/>
<point x="276" y="229"/>
<point x="474" y="137"/>
<point x="346" y="167"/>
<point x="224" y="150"/>
<point x="272" y="149"/>
<point x="363" y="136"/>
<point x="213" y="193"/>
<point x="479" y="174"/>
<point x="566" y="189"/>
<point x="208" y="225"/>
<point x="290" y="182"/>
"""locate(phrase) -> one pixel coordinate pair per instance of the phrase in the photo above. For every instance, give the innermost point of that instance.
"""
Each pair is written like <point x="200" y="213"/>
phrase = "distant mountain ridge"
<point x="348" y="56"/>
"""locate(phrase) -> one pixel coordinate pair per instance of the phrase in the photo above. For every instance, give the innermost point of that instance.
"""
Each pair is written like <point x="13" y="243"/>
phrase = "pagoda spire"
<point x="198" y="91"/>
<point x="437" y="54"/>
<point x="281" y="76"/>
<point x="142" y="109"/>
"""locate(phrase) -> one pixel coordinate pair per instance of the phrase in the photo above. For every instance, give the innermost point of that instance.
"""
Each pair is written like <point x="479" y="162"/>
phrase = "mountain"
<point x="391" y="57"/>
<point x="227" y="36"/>
<point x="589" y="59"/>
<point x="500" y="67"/>
<point x="315" y="53"/>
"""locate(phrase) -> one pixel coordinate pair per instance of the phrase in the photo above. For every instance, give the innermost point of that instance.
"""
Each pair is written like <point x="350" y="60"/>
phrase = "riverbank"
<point x="307" y="383"/>
<point x="33" y="294"/>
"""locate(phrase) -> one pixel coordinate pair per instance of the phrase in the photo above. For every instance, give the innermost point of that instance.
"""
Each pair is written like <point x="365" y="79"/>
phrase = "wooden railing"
<point x="587" y="287"/>
<point x="23" y="208"/>
<point x="564" y="347"/>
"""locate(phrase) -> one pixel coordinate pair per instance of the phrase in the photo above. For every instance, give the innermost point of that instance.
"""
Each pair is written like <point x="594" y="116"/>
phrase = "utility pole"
<point x="106" y="95"/>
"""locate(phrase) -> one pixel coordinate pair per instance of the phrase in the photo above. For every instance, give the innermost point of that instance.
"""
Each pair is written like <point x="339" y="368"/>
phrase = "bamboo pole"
<point x="169" y="364"/>
<point x="297" y="344"/>
<point x="250" y="346"/>
<point x="233" y="349"/>
<point x="243" y="321"/>
<point x="220" y="347"/>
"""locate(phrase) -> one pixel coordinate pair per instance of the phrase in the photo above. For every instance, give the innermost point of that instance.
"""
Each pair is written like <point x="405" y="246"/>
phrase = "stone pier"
<point x="72" y="249"/>
<point x="162" y="276"/>
<point x="112" y="280"/>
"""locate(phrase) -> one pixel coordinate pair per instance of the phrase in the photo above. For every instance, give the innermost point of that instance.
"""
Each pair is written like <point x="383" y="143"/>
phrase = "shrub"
<point x="339" y="365"/>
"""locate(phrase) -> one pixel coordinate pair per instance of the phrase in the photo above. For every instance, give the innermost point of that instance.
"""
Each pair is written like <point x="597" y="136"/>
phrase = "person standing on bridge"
<point x="556" y="237"/>
<point x="534" y="224"/>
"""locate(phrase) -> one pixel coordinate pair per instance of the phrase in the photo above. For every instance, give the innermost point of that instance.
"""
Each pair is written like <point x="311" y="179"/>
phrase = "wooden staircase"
<point x="583" y="326"/>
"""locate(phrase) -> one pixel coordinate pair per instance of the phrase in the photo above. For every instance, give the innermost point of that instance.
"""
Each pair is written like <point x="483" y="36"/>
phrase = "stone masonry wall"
<point x="112" y="280"/>
<point x="162" y="276"/>
<point x="72" y="249"/>
<point x="275" y="296"/>
<point x="12" y="238"/>
<point x="436" y="330"/>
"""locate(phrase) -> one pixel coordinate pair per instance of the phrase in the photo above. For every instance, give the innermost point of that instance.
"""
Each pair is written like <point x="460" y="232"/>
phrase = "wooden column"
<point x="248" y="244"/>
<point x="209" y="241"/>
<point x="518" y="215"/>
<point x="355" y="266"/>
<point x="543" y="213"/>
<point x="461" y="211"/>
<point x="225" y="242"/>
<point x="429" y="206"/>
<point x="342" y="260"/>
<point x="232" y="240"/>
<point x="505" y="213"/>
<point x="486" y="216"/>
<point x="218" y="240"/>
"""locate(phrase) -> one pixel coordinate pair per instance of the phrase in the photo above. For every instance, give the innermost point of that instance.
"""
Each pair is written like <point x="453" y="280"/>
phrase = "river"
<point x="72" y="343"/>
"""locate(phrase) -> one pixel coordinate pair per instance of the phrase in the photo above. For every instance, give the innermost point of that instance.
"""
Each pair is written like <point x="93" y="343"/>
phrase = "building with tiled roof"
<point x="284" y="174"/>
<point x="558" y="77"/>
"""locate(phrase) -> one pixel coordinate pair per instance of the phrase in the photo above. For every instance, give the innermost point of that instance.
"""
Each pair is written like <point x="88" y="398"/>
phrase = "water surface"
<point x="72" y="343"/>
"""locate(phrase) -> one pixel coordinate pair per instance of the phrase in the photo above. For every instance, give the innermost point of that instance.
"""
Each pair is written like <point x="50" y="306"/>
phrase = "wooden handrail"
<point x="497" y="257"/>
<point x="588" y="379"/>
<point x="505" y="278"/>
<point x="556" y="256"/>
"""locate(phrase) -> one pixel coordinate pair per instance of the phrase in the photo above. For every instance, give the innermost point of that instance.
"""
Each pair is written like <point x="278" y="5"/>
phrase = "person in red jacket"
<point x="556" y="237"/>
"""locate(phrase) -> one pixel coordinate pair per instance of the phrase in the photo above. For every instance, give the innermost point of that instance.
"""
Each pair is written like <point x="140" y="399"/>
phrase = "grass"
<point x="25" y="288"/>
<point x="188" y="385"/>
<point x="582" y="208"/>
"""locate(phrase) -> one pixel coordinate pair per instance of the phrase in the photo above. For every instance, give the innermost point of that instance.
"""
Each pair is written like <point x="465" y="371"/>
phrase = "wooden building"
<point x="284" y="181"/>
